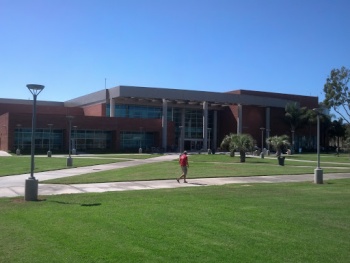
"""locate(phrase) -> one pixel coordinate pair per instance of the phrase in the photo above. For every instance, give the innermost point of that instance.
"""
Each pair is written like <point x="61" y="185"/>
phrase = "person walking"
<point x="183" y="161"/>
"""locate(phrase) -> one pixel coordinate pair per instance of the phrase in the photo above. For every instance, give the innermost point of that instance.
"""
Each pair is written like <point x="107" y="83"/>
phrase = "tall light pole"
<point x="318" y="176"/>
<point x="31" y="184"/>
<point x="268" y="143"/>
<point x="18" y="151"/>
<point x="209" y="130"/>
<point x="181" y="139"/>
<point x="262" y="142"/>
<point x="293" y="141"/>
<point x="74" y="150"/>
<point x="76" y="139"/>
<point x="49" y="153"/>
<point x="140" y="148"/>
<point x="69" y="158"/>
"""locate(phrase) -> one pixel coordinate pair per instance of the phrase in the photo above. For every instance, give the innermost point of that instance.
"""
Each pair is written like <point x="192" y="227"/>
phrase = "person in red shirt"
<point x="183" y="161"/>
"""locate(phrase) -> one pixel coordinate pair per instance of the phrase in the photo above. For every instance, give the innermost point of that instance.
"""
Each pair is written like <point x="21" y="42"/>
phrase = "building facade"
<point x="126" y="118"/>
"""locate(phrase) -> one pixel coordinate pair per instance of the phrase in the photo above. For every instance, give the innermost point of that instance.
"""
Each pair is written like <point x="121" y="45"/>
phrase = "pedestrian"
<point x="183" y="161"/>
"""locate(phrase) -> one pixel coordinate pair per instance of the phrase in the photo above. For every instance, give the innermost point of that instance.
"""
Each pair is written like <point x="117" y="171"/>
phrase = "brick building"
<point x="125" y="118"/>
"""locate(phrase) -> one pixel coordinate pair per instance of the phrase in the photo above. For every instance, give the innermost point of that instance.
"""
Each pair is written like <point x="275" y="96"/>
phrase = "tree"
<point x="278" y="143"/>
<point x="296" y="116"/>
<point x="238" y="142"/>
<point x="337" y="94"/>
<point x="337" y="130"/>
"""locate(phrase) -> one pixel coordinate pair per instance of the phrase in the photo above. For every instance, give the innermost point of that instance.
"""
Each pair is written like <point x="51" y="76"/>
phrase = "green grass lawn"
<point x="11" y="165"/>
<point x="294" y="222"/>
<point x="204" y="166"/>
<point x="341" y="158"/>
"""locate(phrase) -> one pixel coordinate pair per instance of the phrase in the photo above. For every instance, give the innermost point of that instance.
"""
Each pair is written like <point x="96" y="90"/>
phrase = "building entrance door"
<point x="193" y="144"/>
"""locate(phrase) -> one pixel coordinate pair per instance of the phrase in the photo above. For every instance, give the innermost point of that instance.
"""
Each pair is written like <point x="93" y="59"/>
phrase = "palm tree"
<point x="238" y="142"/>
<point x="296" y="116"/>
<point x="278" y="143"/>
<point x="337" y="130"/>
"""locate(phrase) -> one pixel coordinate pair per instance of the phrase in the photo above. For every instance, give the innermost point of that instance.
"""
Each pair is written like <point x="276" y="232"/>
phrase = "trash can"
<point x="281" y="160"/>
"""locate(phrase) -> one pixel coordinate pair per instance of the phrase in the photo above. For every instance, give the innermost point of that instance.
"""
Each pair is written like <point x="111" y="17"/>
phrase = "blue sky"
<point x="72" y="46"/>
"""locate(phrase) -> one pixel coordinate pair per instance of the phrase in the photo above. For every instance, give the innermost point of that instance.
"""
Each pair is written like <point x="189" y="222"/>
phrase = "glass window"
<point x="91" y="140"/>
<point x="43" y="139"/>
<point x="135" y="140"/>
<point x="136" y="111"/>
<point x="81" y="139"/>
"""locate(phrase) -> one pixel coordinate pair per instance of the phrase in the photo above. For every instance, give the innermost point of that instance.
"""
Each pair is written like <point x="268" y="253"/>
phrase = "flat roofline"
<point x="178" y="95"/>
<point x="195" y="96"/>
<point x="88" y="99"/>
<point x="258" y="93"/>
<point x="30" y="102"/>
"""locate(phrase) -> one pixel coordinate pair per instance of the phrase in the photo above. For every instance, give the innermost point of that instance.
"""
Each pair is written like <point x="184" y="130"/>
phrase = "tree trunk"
<point x="242" y="156"/>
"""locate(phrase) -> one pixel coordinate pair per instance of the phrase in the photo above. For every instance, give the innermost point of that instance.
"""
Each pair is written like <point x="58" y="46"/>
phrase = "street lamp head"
<point x="35" y="89"/>
<point x="320" y="111"/>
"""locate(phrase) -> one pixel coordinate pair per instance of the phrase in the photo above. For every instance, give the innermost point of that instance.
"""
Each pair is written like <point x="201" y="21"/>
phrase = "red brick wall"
<point x="95" y="110"/>
<point x="253" y="119"/>
<point x="4" y="134"/>
<point x="227" y="123"/>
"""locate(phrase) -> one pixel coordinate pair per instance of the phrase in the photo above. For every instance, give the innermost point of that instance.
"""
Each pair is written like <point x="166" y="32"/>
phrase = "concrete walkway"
<point x="12" y="186"/>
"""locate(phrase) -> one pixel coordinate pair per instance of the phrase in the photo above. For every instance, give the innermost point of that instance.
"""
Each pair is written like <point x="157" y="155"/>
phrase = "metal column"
<point x="205" y="125"/>
<point x="112" y="107"/>
<point x="215" y="130"/>
<point x="165" y="125"/>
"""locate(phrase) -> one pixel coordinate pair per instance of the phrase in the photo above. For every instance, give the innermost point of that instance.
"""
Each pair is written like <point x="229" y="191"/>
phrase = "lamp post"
<point x="49" y="153"/>
<point x="140" y="148"/>
<point x="69" y="158"/>
<point x="181" y="141"/>
<point x="74" y="150"/>
<point x="18" y="150"/>
<point x="31" y="184"/>
<point x="268" y="143"/>
<point x="318" y="175"/>
<point x="262" y="142"/>
<point x="292" y="141"/>
<point x="209" y="130"/>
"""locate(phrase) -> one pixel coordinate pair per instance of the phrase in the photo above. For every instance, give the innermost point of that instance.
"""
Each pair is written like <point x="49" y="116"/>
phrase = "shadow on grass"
<point x="72" y="203"/>
<point x="197" y="184"/>
<point x="21" y="200"/>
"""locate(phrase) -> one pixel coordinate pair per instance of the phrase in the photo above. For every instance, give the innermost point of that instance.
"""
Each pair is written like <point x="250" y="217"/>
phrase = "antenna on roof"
<point x="105" y="83"/>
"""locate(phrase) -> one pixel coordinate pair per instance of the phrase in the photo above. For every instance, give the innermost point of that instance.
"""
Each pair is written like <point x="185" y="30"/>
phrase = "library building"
<point x="132" y="119"/>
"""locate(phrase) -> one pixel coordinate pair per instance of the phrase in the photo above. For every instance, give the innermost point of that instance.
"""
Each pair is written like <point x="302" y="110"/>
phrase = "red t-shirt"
<point x="183" y="160"/>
